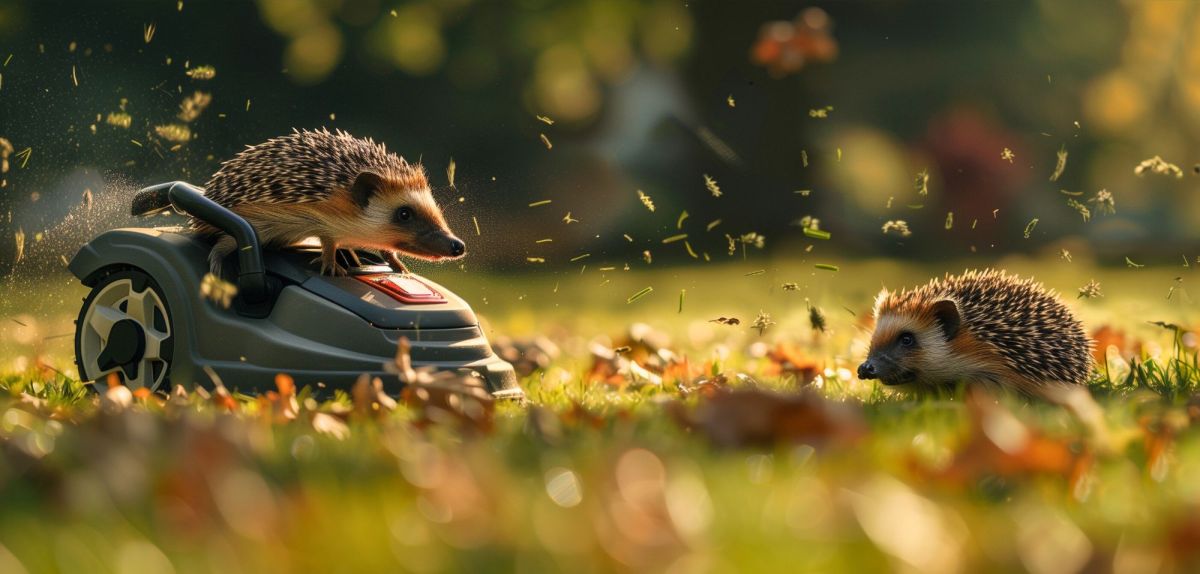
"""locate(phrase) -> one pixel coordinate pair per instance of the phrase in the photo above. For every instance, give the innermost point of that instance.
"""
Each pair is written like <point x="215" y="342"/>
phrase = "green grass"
<point x="593" y="476"/>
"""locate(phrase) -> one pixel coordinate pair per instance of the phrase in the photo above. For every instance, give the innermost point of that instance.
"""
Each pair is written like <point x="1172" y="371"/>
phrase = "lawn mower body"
<point x="147" y="312"/>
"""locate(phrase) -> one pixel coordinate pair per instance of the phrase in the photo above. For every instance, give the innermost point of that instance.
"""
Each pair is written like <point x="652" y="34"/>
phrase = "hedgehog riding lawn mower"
<point x="146" y="320"/>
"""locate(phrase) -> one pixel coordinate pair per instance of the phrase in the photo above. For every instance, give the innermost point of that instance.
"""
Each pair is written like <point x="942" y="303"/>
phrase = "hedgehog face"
<point x="401" y="216"/>
<point x="912" y="342"/>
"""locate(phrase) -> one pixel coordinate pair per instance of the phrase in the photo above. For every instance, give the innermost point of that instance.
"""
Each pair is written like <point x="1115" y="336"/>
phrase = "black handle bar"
<point x="252" y="275"/>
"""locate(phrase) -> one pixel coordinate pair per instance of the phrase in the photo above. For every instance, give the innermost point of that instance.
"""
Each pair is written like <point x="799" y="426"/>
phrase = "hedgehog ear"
<point x="947" y="315"/>
<point x="365" y="186"/>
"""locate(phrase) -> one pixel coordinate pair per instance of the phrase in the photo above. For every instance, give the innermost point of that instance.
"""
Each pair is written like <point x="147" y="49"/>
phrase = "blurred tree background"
<point x="831" y="110"/>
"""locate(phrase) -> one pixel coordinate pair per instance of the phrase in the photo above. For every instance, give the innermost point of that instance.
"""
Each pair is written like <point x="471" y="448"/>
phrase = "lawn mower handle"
<point x="252" y="276"/>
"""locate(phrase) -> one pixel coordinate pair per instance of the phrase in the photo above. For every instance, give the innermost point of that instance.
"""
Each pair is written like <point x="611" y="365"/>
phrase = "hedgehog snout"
<point x="443" y="244"/>
<point x="867" y="370"/>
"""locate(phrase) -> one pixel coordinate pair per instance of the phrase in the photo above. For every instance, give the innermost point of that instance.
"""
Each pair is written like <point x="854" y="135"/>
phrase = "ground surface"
<point x="692" y="450"/>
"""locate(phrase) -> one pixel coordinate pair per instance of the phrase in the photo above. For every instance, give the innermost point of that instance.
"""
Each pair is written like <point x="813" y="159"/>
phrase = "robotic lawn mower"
<point x="146" y="321"/>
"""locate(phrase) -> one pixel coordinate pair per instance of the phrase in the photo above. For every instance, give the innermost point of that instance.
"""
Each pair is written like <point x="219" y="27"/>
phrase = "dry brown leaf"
<point x="747" y="417"/>
<point x="999" y="444"/>
<point x="450" y="398"/>
<point x="787" y="361"/>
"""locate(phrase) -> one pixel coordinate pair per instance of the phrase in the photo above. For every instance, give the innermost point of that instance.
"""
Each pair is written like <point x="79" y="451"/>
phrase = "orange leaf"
<point x="285" y="384"/>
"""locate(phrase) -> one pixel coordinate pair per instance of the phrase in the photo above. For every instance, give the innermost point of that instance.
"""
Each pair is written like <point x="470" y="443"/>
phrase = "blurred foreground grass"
<point x="692" y="450"/>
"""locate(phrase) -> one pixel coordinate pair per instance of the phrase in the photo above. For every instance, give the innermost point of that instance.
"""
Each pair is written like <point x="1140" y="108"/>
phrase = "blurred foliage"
<point x="845" y="101"/>
<point x="652" y="440"/>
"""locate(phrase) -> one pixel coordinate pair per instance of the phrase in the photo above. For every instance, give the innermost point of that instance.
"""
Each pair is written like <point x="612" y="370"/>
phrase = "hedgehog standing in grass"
<point x="981" y="326"/>
<point x="348" y="192"/>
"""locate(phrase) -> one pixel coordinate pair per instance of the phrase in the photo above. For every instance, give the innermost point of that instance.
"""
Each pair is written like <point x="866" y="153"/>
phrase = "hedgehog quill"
<point x="346" y="191"/>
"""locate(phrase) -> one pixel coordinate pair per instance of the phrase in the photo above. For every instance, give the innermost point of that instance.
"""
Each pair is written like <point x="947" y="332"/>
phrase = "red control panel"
<point x="403" y="288"/>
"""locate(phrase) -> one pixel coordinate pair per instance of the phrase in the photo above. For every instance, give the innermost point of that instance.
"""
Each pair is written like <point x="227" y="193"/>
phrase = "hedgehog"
<point x="981" y="326"/>
<point x="346" y="191"/>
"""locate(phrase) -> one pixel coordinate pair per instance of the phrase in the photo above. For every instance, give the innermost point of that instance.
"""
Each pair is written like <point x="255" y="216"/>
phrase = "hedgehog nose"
<point x="866" y="371"/>
<point x="457" y="247"/>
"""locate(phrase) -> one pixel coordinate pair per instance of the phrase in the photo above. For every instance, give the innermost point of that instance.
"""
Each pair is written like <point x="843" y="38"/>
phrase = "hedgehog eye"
<point x="402" y="214"/>
<point x="907" y="340"/>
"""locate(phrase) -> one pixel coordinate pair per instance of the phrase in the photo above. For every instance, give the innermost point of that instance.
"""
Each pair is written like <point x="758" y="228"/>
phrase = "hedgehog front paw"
<point x="397" y="264"/>
<point x="331" y="268"/>
<point x="334" y="270"/>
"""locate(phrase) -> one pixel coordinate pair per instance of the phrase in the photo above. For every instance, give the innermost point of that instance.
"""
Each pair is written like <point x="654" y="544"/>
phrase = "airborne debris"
<point x="450" y="170"/>
<point x="24" y="155"/>
<point x="1178" y="282"/>
<point x="1131" y="264"/>
<point x="730" y="101"/>
<point x="808" y="222"/>
<point x="1081" y="208"/>
<point x="1159" y="166"/>
<point x="202" y="72"/>
<point x="192" y="106"/>
<point x="119" y="119"/>
<point x="546" y="141"/>
<point x="176" y="133"/>
<point x="949" y="219"/>
<point x="646" y="201"/>
<point x="1090" y="291"/>
<point x="816" y="233"/>
<point x="674" y="238"/>
<point x="1060" y="164"/>
<point x="731" y="321"/>
<point x="712" y="186"/>
<point x="791" y="286"/>
<point x="922" y="182"/>
<point x="762" y="322"/>
<point x="639" y="295"/>
<point x="540" y="203"/>
<point x="1105" y="203"/>
<point x="820" y="112"/>
<point x="568" y="219"/>
<point x="218" y="290"/>
<point x="816" y="317"/>
<point x="19" y="245"/>
<point x="1007" y="155"/>
<point x="899" y="226"/>
<point x="6" y="148"/>
<point x="1029" y="227"/>
<point x="545" y="120"/>
<point x="753" y="239"/>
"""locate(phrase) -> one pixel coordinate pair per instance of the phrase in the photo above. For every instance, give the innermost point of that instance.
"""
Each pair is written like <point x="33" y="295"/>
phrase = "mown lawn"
<point x="722" y="450"/>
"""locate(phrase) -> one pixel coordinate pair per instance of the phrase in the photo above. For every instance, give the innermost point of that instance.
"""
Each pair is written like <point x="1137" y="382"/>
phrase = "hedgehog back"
<point x="1032" y="330"/>
<point x="302" y="167"/>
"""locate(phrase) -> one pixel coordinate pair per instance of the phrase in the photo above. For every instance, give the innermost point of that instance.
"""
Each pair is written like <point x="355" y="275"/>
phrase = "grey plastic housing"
<point x="322" y="331"/>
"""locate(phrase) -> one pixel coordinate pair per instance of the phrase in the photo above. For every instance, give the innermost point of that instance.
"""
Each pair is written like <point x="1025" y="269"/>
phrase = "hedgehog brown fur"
<point x="344" y="190"/>
<point x="986" y="326"/>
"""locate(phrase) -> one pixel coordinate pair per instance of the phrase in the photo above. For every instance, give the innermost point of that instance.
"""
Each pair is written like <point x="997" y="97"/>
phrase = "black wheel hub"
<point x="125" y="346"/>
